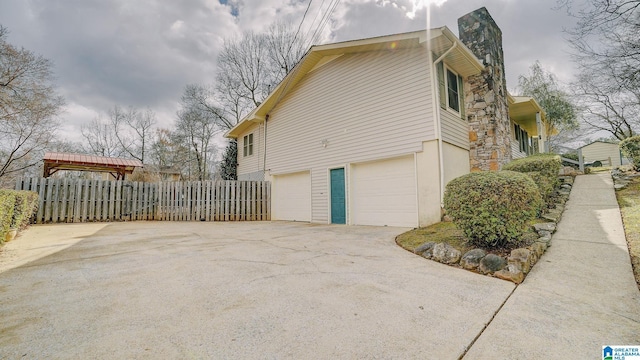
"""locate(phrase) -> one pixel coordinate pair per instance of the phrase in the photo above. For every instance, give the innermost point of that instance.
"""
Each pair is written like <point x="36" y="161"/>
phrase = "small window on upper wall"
<point x="247" y="142"/>
<point x="450" y="90"/>
<point x="453" y="90"/>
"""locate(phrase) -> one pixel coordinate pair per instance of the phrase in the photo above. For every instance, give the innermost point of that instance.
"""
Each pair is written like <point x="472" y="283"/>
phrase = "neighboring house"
<point x="607" y="153"/>
<point x="528" y="132"/>
<point x="369" y="132"/>
<point x="162" y="173"/>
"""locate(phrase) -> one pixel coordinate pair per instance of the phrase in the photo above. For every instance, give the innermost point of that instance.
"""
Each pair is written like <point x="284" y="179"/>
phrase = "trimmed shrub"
<point x="546" y="164"/>
<point x="630" y="148"/>
<point x="16" y="209"/>
<point x="7" y="205"/>
<point x="26" y="205"/>
<point x="571" y="156"/>
<point x="546" y="185"/>
<point x="492" y="208"/>
<point x="543" y="168"/>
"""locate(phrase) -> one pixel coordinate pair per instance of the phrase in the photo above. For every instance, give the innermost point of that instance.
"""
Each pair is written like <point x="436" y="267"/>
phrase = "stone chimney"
<point x="486" y="95"/>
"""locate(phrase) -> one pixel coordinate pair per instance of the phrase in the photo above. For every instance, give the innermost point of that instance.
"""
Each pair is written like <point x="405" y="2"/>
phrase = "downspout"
<point x="434" y="81"/>
<point x="264" y="153"/>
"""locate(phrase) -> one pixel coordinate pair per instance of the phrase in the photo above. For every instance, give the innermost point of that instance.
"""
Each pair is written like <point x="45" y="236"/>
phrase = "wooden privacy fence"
<point x="71" y="200"/>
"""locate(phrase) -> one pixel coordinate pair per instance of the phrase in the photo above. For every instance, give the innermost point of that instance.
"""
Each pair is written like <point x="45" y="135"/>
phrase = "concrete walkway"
<point x="580" y="296"/>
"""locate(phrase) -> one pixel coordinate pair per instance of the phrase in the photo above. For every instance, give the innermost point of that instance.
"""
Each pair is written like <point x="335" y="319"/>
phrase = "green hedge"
<point x="543" y="169"/>
<point x="16" y="209"/>
<point x="7" y="204"/>
<point x="630" y="148"/>
<point x="493" y="208"/>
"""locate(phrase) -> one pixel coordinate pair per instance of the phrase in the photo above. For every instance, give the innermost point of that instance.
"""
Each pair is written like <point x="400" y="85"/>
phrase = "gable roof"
<point x="54" y="161"/>
<point x="600" y="141"/>
<point x="439" y="40"/>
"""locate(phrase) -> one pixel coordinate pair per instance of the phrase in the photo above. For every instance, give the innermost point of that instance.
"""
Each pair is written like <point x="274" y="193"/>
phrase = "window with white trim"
<point x="247" y="142"/>
<point x="453" y="91"/>
<point x="450" y="90"/>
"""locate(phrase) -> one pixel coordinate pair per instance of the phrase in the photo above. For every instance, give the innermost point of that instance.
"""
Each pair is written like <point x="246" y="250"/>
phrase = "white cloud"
<point x="177" y="26"/>
<point x="132" y="53"/>
<point x="418" y="5"/>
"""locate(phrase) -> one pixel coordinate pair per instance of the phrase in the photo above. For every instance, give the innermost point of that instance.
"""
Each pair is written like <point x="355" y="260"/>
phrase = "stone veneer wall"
<point x="486" y="94"/>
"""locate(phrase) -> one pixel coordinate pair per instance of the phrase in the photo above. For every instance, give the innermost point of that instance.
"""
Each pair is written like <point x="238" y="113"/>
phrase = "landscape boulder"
<point x="548" y="226"/>
<point x="471" y="259"/>
<point x="539" y="248"/>
<point x="521" y="259"/>
<point x="511" y="273"/>
<point x="425" y="249"/>
<point x="491" y="263"/>
<point x="445" y="254"/>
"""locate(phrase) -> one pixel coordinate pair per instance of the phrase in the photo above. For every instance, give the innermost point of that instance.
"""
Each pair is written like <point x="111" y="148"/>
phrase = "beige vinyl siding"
<point x="366" y="106"/>
<point x="454" y="130"/>
<point x="603" y="152"/>
<point x="252" y="163"/>
<point x="515" y="144"/>
<point x="515" y="150"/>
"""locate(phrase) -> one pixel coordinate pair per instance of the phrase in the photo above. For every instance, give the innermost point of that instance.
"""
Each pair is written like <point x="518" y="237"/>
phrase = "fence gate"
<point x="77" y="200"/>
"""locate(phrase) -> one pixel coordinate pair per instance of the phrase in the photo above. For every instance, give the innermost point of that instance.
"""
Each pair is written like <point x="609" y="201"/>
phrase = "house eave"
<point x="460" y="58"/>
<point x="523" y="110"/>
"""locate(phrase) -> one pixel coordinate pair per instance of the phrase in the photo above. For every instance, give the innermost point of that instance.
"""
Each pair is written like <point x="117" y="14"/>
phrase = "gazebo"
<point x="117" y="167"/>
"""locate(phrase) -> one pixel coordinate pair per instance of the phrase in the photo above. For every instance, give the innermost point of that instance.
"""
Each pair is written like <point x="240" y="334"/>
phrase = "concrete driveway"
<point x="246" y="290"/>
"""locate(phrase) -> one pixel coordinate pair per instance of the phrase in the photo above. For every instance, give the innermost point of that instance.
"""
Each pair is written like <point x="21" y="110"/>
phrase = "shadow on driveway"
<point x="241" y="290"/>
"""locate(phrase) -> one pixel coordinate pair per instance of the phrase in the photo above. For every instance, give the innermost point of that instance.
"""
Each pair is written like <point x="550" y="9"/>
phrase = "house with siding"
<point x="607" y="153"/>
<point x="369" y="132"/>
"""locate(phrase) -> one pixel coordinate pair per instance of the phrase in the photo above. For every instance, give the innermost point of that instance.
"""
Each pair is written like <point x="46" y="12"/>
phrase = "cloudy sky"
<point x="142" y="53"/>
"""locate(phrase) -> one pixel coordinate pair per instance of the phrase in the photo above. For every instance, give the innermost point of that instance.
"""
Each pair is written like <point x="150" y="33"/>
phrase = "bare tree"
<point x="607" y="50"/>
<point x="100" y="138"/>
<point x="197" y="126"/>
<point x="29" y="106"/>
<point x="204" y="99"/>
<point x="607" y="109"/>
<point x="133" y="130"/>
<point x="168" y="152"/>
<point x="251" y="66"/>
<point x="242" y="79"/>
<point x="125" y="133"/>
<point x="606" y="37"/>
<point x="285" y="48"/>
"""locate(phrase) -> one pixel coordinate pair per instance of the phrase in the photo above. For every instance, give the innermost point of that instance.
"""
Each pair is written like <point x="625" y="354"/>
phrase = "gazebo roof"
<point x="118" y="167"/>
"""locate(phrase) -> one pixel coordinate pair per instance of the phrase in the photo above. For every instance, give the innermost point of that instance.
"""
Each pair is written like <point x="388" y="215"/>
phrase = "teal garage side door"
<point x="338" y="203"/>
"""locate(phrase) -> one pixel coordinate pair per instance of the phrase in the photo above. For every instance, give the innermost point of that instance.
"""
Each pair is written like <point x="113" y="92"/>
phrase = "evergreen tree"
<point x="228" y="166"/>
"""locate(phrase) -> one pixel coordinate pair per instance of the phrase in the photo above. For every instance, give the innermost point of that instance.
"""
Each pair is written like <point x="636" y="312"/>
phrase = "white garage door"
<point x="384" y="193"/>
<point x="291" y="197"/>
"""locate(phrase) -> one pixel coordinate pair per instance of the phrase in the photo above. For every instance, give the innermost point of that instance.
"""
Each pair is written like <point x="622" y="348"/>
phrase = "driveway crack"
<point x="467" y="348"/>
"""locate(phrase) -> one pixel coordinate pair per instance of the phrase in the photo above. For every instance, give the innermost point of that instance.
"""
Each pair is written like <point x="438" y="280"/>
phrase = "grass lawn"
<point x="447" y="232"/>
<point x="629" y="201"/>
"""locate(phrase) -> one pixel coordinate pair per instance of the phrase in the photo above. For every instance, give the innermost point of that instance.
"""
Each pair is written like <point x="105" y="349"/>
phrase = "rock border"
<point x="621" y="178"/>
<point x="517" y="265"/>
